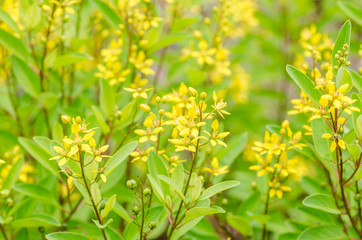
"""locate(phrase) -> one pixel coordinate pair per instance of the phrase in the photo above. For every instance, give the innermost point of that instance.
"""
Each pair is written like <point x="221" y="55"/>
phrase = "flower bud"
<point x="197" y="34"/>
<point x="224" y="201"/>
<point x="254" y="185"/>
<point x="152" y="225"/>
<point x="78" y="120"/>
<point x="9" y="202"/>
<point x="145" y="107"/>
<point x="158" y="99"/>
<point x="66" y="119"/>
<point x="4" y="193"/>
<point x="131" y="184"/>
<point x="203" y="95"/>
<point x="192" y="91"/>
<point x="147" y="192"/>
<point x="135" y="210"/>
<point x="357" y="197"/>
<point x="161" y="112"/>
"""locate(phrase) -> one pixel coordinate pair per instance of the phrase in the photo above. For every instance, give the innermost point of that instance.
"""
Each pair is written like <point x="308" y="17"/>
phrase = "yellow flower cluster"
<point x="236" y="17"/>
<point x="138" y="16"/>
<point x="334" y="101"/>
<point x="318" y="47"/>
<point x="180" y="117"/>
<point x="9" y="159"/>
<point x="273" y="159"/>
<point x="111" y="69"/>
<point x="80" y="143"/>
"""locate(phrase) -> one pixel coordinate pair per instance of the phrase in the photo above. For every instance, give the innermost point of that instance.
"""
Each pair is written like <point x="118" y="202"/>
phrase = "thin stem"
<point x="143" y="213"/>
<point x="174" y="225"/>
<point x="3" y="232"/>
<point x="90" y="193"/>
<point x="359" y="205"/>
<point x="344" y="198"/>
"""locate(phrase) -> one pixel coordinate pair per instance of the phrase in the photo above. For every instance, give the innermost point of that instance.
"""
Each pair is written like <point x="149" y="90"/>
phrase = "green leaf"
<point x="323" y="202"/>
<point x="119" y="157"/>
<point x="39" y="155"/>
<point x="26" y="77"/>
<point x="13" y="174"/>
<point x="32" y="16"/>
<point x="157" y="189"/>
<point x="8" y="20"/>
<point x="120" y="211"/>
<point x="195" y="187"/>
<point x="344" y="36"/>
<point x="326" y="232"/>
<point x="352" y="11"/>
<point x="305" y="84"/>
<point x="173" y="185"/>
<point x="106" y="98"/>
<point x="355" y="115"/>
<point x="219" y="187"/>
<point x="72" y="58"/>
<point x="240" y="223"/>
<point x="322" y="145"/>
<point x="5" y="101"/>
<point x="109" y="206"/>
<point x="57" y="132"/>
<point x="356" y="80"/>
<point x="96" y="194"/>
<point x="262" y="218"/>
<point x="37" y="192"/>
<point x="48" y="100"/>
<point x="178" y="176"/>
<point x="166" y="41"/>
<point x="197" y="212"/>
<point x="157" y="167"/>
<point x="13" y="44"/>
<point x="343" y="77"/>
<point x="111" y="16"/>
<point x="182" y="23"/>
<point x="65" y="236"/>
<point x="102" y="124"/>
<point x="355" y="150"/>
<point x="43" y="142"/>
<point x="37" y="220"/>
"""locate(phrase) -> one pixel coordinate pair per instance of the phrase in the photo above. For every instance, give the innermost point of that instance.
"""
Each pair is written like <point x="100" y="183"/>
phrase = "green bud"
<point x="136" y="210"/>
<point x="336" y="56"/>
<point x="9" y="202"/>
<point x="152" y="225"/>
<point x="4" y="193"/>
<point x="253" y="185"/>
<point x="131" y="184"/>
<point x="357" y="197"/>
<point x="224" y="201"/>
<point x="147" y="192"/>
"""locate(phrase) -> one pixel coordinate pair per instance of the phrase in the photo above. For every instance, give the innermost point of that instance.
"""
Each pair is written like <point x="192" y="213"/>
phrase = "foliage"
<point x="141" y="119"/>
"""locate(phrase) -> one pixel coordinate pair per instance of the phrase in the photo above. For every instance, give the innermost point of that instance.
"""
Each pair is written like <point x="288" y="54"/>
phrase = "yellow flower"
<point x="139" y="92"/>
<point x="216" y="170"/>
<point x="215" y="136"/>
<point x="219" y="106"/>
<point x="148" y="134"/>
<point x="264" y="167"/>
<point x="276" y="188"/>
